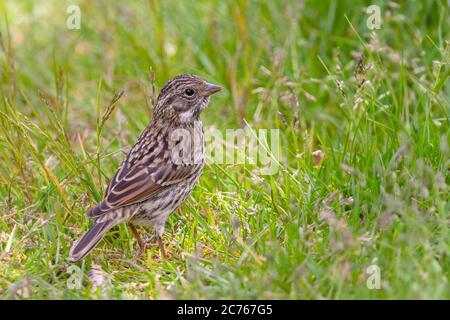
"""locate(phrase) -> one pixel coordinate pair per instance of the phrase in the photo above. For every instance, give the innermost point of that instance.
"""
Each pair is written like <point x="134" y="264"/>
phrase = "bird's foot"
<point x="144" y="244"/>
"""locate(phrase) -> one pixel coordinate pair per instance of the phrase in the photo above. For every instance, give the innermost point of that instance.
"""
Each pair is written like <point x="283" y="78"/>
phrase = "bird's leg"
<point x="141" y="242"/>
<point x="161" y="246"/>
<point x="159" y="230"/>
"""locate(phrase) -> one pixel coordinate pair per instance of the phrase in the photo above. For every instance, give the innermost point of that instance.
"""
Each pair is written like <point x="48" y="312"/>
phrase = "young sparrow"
<point x="161" y="169"/>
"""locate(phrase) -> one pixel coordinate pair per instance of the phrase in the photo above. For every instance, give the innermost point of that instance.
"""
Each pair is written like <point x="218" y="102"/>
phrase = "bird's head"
<point x="183" y="98"/>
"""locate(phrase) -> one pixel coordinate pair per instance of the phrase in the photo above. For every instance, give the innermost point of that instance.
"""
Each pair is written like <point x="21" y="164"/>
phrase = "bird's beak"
<point x="211" y="89"/>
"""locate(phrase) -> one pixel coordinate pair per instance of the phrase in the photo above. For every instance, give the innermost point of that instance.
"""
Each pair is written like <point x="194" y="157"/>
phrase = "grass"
<point x="375" y="103"/>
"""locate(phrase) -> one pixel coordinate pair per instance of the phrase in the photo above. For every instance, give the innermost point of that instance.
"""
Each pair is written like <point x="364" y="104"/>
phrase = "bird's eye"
<point x="189" y="92"/>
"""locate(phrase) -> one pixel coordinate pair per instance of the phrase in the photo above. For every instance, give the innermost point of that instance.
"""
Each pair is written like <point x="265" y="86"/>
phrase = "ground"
<point x="355" y="205"/>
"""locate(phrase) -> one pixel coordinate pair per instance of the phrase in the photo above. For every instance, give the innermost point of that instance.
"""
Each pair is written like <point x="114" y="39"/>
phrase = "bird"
<point x="161" y="169"/>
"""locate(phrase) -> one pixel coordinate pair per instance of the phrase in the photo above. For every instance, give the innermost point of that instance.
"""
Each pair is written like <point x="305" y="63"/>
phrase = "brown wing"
<point x="143" y="175"/>
<point x="139" y="184"/>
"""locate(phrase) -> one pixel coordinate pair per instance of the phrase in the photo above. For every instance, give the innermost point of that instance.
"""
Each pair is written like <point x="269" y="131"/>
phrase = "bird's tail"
<point x="89" y="240"/>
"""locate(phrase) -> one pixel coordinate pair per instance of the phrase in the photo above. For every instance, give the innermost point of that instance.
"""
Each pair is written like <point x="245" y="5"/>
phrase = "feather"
<point x="137" y="180"/>
<point x="90" y="239"/>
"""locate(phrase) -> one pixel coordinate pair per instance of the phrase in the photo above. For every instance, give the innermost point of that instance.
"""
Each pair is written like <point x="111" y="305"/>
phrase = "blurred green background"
<point x="372" y="104"/>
